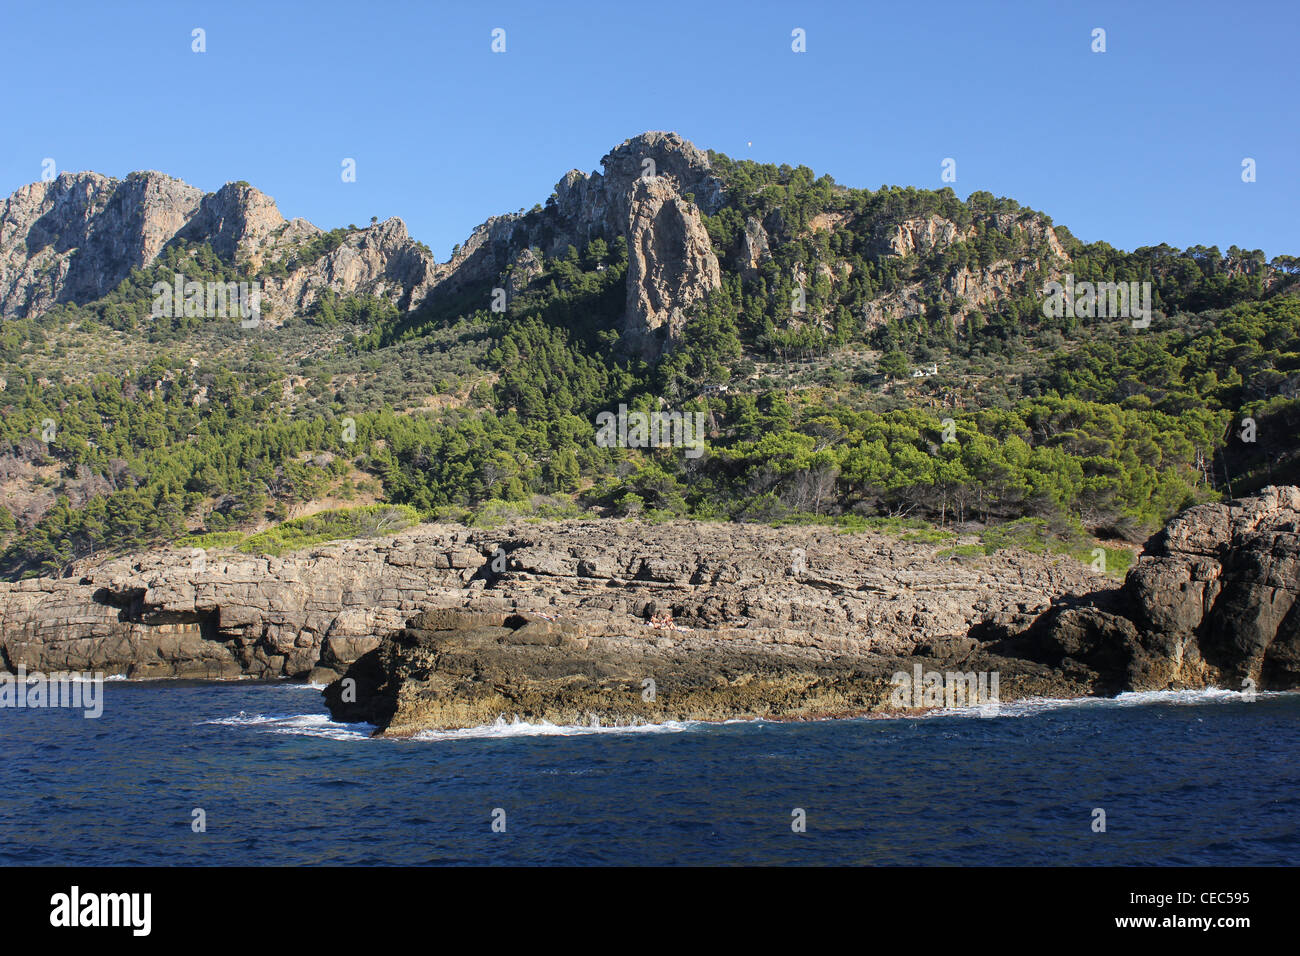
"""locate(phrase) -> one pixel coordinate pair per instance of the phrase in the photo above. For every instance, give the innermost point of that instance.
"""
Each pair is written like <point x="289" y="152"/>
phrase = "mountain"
<point x="887" y="358"/>
<point x="77" y="237"/>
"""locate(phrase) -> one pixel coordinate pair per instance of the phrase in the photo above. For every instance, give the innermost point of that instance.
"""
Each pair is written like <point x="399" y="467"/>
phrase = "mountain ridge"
<point x="852" y="354"/>
<point x="75" y="238"/>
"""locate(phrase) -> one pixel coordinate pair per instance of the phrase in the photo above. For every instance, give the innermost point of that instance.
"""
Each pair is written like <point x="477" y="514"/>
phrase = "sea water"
<point x="246" y="773"/>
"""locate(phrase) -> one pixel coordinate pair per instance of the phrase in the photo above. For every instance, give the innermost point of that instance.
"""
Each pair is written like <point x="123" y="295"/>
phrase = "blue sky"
<point x="1138" y="145"/>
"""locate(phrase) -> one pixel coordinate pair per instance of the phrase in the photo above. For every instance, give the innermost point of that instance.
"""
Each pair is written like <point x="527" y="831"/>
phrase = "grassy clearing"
<point x="370" y="521"/>
<point x="1038" y="536"/>
<point x="212" y="540"/>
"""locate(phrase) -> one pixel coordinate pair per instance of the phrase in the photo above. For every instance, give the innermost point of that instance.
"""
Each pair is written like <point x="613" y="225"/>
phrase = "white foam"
<point x="1032" y="706"/>
<point x="320" y="725"/>
<point x="307" y="725"/>
<point x="66" y="677"/>
<point x="519" y="728"/>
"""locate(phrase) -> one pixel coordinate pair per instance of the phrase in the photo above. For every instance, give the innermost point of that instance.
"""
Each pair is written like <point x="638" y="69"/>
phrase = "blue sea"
<point x="1183" y="778"/>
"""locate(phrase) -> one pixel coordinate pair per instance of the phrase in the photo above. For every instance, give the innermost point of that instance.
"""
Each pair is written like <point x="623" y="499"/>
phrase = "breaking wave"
<point x="519" y="728"/>
<point x="1032" y="706"/>
<point x="320" y="725"/>
<point x="307" y="725"/>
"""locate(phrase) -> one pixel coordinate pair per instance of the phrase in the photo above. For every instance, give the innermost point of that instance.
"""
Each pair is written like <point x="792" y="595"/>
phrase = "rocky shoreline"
<point x="618" y="622"/>
<point x="454" y="669"/>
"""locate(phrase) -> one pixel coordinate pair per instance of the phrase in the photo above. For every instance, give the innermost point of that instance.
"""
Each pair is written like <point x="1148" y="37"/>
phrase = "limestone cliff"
<point x="671" y="265"/>
<point x="177" y="614"/>
<point x="76" y="237"/>
<point x="651" y="198"/>
<point x="1211" y="602"/>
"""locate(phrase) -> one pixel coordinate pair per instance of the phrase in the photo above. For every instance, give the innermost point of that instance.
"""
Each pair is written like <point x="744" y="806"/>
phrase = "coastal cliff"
<point x="1212" y="602"/>
<point x="314" y="612"/>
<point x="621" y="622"/>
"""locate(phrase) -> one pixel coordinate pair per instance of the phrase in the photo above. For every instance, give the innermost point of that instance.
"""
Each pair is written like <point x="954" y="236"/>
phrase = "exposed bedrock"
<point x="179" y="614"/>
<point x="1211" y="602"/>
<point x="453" y="669"/>
<point x="621" y="622"/>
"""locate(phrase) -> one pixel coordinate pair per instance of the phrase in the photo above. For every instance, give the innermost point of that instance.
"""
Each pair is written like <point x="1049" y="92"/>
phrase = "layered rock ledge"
<point x="214" y="615"/>
<point x="454" y="668"/>
<point x="619" y="622"/>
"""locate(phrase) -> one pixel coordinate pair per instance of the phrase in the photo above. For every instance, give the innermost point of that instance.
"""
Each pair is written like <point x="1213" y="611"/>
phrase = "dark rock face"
<point x="1211" y="602"/>
<point x="454" y="668"/>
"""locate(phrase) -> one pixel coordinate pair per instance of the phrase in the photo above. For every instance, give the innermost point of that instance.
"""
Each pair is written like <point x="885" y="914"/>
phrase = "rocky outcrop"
<point x="965" y="288"/>
<point x="755" y="248"/>
<point x="599" y="204"/>
<point x="917" y="236"/>
<point x="453" y="668"/>
<point x="239" y="222"/>
<point x="761" y="590"/>
<point x="76" y="237"/>
<point x="381" y="261"/>
<point x="652" y="195"/>
<point x="619" y="622"/>
<point x="1211" y="602"/>
<point x="671" y="265"/>
<point x="651" y="198"/>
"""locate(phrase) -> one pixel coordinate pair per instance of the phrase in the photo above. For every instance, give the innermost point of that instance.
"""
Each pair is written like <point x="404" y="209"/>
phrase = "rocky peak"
<point x="601" y="202"/>
<point x="382" y="261"/>
<point x="651" y="196"/>
<point x="235" y="219"/>
<point x="74" y="238"/>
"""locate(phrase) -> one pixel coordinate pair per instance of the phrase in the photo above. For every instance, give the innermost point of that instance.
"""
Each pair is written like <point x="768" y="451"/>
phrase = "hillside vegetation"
<point x="119" y="431"/>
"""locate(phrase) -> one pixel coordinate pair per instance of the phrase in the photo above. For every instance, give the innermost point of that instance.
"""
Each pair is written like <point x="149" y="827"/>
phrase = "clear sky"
<point x="1138" y="145"/>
